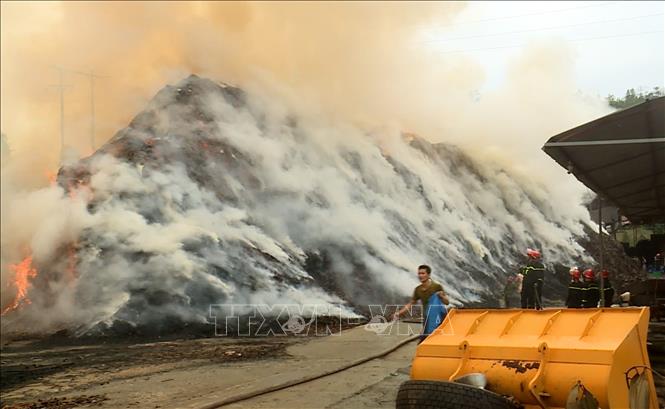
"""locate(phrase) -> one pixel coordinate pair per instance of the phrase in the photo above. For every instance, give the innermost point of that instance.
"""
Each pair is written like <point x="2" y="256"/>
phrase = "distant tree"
<point x="633" y="98"/>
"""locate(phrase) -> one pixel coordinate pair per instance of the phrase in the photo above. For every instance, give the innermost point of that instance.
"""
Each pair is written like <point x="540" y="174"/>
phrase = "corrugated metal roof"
<point x="621" y="157"/>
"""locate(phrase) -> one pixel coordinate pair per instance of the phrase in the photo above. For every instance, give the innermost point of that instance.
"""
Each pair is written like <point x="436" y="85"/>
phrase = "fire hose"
<point x="288" y="384"/>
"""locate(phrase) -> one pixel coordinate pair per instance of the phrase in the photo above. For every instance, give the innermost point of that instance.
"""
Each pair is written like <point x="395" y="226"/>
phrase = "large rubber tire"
<point x="447" y="395"/>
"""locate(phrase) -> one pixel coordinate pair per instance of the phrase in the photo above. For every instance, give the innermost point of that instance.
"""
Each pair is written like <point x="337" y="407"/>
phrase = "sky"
<point x="618" y="45"/>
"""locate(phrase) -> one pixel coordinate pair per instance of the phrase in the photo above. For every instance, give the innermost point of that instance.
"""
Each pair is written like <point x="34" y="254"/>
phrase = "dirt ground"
<point x="370" y="386"/>
<point x="31" y="371"/>
<point x="194" y="372"/>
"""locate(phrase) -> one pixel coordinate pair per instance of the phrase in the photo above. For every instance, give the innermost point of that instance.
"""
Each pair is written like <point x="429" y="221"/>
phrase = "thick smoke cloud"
<point x="359" y="64"/>
<point x="214" y="196"/>
<point x="325" y="51"/>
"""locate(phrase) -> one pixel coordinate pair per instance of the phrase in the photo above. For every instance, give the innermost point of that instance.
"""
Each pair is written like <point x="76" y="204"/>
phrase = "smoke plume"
<point x="353" y="76"/>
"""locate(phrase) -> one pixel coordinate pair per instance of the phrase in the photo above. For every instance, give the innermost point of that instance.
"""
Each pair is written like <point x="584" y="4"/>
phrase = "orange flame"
<point x="23" y="272"/>
<point x="52" y="177"/>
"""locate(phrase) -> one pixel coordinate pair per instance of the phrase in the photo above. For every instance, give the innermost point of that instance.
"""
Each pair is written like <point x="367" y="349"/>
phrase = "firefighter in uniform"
<point x="591" y="290"/>
<point x="608" y="290"/>
<point x="575" y="289"/>
<point x="533" y="274"/>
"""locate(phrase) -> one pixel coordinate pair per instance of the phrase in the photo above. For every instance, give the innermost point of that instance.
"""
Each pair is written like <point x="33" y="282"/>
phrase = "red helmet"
<point x="605" y="274"/>
<point x="588" y="274"/>
<point x="535" y="254"/>
<point x="575" y="273"/>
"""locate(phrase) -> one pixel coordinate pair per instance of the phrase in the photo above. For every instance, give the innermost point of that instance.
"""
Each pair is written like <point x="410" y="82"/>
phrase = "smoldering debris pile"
<point x="624" y="271"/>
<point x="212" y="196"/>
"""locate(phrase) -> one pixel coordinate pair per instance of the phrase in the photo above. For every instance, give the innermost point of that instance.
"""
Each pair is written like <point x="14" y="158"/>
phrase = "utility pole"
<point x="91" y="76"/>
<point x="61" y="87"/>
<point x="602" y="251"/>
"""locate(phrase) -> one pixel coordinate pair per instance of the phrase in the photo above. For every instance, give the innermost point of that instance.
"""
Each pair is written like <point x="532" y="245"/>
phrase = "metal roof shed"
<point x="621" y="157"/>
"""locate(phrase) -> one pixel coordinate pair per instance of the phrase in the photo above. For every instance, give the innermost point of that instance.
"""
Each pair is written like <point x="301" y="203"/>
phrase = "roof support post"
<point x="602" y="250"/>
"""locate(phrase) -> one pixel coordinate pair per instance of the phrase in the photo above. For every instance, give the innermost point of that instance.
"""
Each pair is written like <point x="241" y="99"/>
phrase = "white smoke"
<point x="221" y="197"/>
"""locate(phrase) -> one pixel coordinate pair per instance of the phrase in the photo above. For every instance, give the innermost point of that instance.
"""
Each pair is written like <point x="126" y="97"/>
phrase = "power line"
<point x="91" y="76"/>
<point x="541" y="29"/>
<point x="61" y="87"/>
<point x="527" y="14"/>
<point x="570" y="41"/>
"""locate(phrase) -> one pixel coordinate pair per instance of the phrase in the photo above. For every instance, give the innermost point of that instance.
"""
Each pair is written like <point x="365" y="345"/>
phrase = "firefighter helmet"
<point x="535" y="254"/>
<point x="575" y="273"/>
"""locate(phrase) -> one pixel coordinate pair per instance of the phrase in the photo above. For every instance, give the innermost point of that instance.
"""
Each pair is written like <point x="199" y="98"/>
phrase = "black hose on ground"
<point x="285" y="385"/>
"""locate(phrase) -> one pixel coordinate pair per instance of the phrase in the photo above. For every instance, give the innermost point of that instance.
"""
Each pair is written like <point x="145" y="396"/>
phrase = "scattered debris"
<point x="60" y="403"/>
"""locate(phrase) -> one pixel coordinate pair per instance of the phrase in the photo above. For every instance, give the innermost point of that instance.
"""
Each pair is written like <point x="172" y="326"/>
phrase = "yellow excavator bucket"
<point x="539" y="356"/>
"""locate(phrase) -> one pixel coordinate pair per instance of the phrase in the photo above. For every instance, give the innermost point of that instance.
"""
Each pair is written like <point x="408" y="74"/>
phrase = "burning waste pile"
<point x="213" y="196"/>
